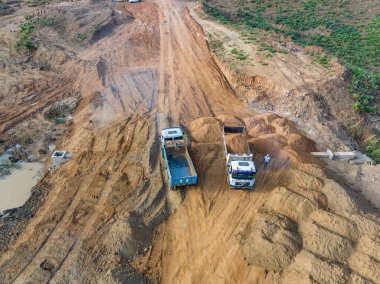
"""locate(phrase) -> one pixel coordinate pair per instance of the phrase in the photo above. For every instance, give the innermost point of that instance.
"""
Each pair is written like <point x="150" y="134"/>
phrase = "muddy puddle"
<point x="15" y="187"/>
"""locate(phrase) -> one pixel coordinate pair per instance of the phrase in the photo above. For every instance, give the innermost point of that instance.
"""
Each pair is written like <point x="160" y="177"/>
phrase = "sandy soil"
<point x="109" y="217"/>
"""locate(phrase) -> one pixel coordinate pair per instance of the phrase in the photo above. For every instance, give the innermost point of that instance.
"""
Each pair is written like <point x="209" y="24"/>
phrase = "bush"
<point x="322" y="60"/>
<point x="57" y="111"/>
<point x="28" y="17"/>
<point x="81" y="37"/>
<point x="372" y="146"/>
<point x="239" y="54"/>
<point x="26" y="39"/>
<point x="216" y="45"/>
<point x="47" y="22"/>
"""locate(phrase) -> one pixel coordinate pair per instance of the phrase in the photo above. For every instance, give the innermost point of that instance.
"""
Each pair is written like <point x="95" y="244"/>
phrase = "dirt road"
<point x="109" y="216"/>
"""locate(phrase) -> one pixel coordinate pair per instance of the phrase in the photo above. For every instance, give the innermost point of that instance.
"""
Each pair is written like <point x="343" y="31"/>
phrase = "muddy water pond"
<point x="15" y="188"/>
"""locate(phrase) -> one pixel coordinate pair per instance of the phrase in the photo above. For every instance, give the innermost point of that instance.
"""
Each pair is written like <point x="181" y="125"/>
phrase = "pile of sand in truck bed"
<point x="209" y="133"/>
<point x="202" y="121"/>
<point x="229" y="120"/>
<point x="237" y="143"/>
<point x="206" y="130"/>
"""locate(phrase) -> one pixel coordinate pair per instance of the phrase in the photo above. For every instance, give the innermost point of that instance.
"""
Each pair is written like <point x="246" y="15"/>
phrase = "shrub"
<point x="46" y="21"/>
<point x="239" y="54"/>
<point x="81" y="37"/>
<point x="28" y="17"/>
<point x="372" y="146"/>
<point x="26" y="39"/>
<point x="56" y="111"/>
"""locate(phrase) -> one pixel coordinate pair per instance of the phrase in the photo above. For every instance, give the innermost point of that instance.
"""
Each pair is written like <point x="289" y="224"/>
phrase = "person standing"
<point x="266" y="160"/>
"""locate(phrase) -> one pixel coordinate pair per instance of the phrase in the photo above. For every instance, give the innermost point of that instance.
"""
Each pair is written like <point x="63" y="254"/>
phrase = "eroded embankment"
<point x="99" y="213"/>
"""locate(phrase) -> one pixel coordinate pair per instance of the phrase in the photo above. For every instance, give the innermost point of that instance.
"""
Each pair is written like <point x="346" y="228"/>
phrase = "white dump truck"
<point x="241" y="170"/>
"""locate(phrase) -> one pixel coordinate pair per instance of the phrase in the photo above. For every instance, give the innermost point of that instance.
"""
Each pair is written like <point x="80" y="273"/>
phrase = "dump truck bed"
<point x="179" y="166"/>
<point x="236" y="145"/>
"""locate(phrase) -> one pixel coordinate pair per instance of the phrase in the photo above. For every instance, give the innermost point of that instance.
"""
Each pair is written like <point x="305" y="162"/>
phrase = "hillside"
<point x="347" y="31"/>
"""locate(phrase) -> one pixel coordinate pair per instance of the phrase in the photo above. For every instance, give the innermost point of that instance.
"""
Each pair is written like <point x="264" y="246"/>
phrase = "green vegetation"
<point x="46" y="22"/>
<point x="26" y="32"/>
<point x="216" y="45"/>
<point x="322" y="60"/>
<point x="10" y="164"/>
<point x="372" y="147"/>
<point x="28" y="17"/>
<point x="268" y="50"/>
<point x="26" y="39"/>
<point x="239" y="54"/>
<point x="81" y="37"/>
<point x="36" y="2"/>
<point x="370" y="143"/>
<point x="322" y="23"/>
<point x="58" y="111"/>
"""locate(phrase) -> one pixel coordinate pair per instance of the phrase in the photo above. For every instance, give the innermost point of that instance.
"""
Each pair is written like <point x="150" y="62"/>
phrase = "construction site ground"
<point x="123" y="71"/>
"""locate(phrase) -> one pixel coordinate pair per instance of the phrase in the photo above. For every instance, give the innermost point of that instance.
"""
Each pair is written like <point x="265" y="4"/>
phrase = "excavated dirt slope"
<point x="108" y="216"/>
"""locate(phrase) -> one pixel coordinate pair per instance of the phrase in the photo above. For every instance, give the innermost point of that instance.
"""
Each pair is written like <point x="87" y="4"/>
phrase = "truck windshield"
<point x="249" y="175"/>
<point x="174" y="138"/>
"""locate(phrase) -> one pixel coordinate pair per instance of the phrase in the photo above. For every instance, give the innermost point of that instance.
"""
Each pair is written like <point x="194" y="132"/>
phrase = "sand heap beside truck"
<point x="241" y="170"/>
<point x="179" y="167"/>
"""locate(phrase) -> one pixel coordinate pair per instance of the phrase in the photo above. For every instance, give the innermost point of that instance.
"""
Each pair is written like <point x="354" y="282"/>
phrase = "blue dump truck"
<point x="179" y="167"/>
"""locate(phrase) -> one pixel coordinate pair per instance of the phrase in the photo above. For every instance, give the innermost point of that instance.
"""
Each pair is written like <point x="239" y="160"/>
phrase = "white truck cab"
<point x="172" y="133"/>
<point x="241" y="174"/>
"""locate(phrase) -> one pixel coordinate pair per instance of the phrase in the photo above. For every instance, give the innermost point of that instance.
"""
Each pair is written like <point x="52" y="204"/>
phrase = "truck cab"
<point x="241" y="174"/>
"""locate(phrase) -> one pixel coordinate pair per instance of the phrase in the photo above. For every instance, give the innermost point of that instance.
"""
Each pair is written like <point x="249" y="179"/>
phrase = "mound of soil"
<point x="208" y="133"/>
<point x="237" y="143"/>
<point x="253" y="122"/>
<point x="271" y="241"/>
<point x="261" y="129"/>
<point x="229" y="120"/>
<point x="199" y="122"/>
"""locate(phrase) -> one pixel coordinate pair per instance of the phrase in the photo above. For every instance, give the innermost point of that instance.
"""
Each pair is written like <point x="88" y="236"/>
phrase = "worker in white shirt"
<point x="266" y="160"/>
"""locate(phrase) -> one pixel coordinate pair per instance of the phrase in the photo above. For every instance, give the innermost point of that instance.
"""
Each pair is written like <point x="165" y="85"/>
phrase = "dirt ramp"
<point x="271" y="241"/>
